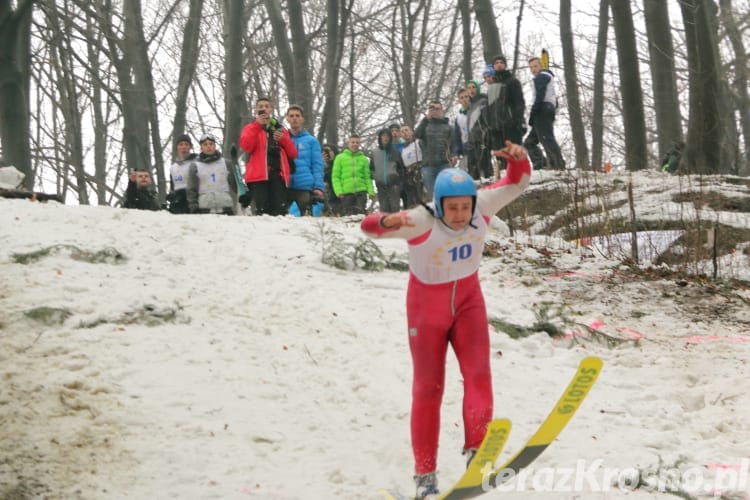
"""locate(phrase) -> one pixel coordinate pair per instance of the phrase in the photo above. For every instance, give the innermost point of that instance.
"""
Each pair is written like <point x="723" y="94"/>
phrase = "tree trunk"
<point x="236" y="110"/>
<point x="302" y="93"/>
<point x="188" y="62"/>
<point x="571" y="87"/>
<point x="704" y="138"/>
<point x="485" y="15"/>
<point x="337" y="22"/>
<point x="100" y="140"/>
<point x="663" y="76"/>
<point x="466" y="69"/>
<point x="741" y="98"/>
<point x="294" y="55"/>
<point x="634" y="121"/>
<point x="135" y="43"/>
<point x="67" y="88"/>
<point x="597" y="114"/>
<point x="15" y="33"/>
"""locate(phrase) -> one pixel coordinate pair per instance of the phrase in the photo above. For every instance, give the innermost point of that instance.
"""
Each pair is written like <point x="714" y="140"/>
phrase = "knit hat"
<point x="183" y="138"/>
<point x="488" y="70"/>
<point x="500" y="57"/>
<point x="475" y="83"/>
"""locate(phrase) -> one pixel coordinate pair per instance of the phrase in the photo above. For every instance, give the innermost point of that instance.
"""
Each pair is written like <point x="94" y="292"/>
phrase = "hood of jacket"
<point x="387" y="132"/>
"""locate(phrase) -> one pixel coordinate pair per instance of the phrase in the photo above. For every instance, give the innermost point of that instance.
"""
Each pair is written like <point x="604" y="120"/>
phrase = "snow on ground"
<point x="210" y="357"/>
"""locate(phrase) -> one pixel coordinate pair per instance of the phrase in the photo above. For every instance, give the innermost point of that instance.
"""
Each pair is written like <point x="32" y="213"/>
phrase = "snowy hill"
<point x="145" y="355"/>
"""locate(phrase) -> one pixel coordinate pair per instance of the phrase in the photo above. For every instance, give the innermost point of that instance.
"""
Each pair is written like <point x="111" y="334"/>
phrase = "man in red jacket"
<point x="270" y="149"/>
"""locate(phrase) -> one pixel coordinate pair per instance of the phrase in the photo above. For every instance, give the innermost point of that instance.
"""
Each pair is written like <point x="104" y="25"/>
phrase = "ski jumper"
<point x="445" y="305"/>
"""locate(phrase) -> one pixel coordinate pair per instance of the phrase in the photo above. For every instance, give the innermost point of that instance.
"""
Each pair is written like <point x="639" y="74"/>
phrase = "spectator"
<point x="333" y="203"/>
<point x="474" y="88"/>
<point x="178" y="175"/>
<point x="387" y="170"/>
<point x="411" y="157"/>
<point x="445" y="304"/>
<point x="505" y="106"/>
<point x="436" y="136"/>
<point x="307" y="180"/>
<point x="397" y="141"/>
<point x="212" y="184"/>
<point x="479" y="159"/>
<point x="461" y="144"/>
<point x="351" y="178"/>
<point x="542" y="118"/>
<point x="269" y="169"/>
<point x="671" y="161"/>
<point x="140" y="192"/>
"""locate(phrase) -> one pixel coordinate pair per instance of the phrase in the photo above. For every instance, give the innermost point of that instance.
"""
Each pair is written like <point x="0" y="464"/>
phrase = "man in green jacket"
<point x="351" y="178"/>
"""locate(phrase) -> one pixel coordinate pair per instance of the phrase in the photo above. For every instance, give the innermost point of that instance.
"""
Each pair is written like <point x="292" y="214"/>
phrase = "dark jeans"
<point x="269" y="197"/>
<point x="303" y="199"/>
<point x="542" y="131"/>
<point x="354" y="203"/>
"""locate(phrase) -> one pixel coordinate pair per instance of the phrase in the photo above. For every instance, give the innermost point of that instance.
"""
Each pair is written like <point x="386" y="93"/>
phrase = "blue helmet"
<point x="453" y="182"/>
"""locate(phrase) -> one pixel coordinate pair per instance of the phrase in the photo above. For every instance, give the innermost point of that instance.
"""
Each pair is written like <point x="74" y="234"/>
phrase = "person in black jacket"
<point x="505" y="106"/>
<point x="436" y="135"/>
<point x="140" y="192"/>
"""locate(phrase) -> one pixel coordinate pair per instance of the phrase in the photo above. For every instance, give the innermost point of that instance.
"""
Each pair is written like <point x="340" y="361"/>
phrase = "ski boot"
<point x="426" y="485"/>
<point x="470" y="454"/>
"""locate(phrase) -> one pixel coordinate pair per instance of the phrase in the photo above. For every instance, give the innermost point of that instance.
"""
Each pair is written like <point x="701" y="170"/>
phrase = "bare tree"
<point x="571" y="86"/>
<point x="464" y="7"/>
<point x="740" y="66"/>
<point x="485" y="15"/>
<point x="337" y="23"/>
<point x="661" y="52"/>
<point x="597" y="114"/>
<point x="15" y="33"/>
<point x="630" y="86"/>
<point x="68" y="96"/>
<point x="188" y="62"/>
<point x="704" y="139"/>
<point x="236" y="110"/>
<point x="293" y="55"/>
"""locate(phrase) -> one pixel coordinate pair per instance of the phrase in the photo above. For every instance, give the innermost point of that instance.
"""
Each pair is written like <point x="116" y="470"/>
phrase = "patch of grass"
<point x="49" y="316"/>
<point x="366" y="254"/>
<point x="714" y="200"/>
<point x="147" y="314"/>
<point x="107" y="255"/>
<point x="738" y="181"/>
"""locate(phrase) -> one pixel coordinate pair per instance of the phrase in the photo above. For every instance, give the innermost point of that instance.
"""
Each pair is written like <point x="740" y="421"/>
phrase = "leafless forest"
<point x="92" y="88"/>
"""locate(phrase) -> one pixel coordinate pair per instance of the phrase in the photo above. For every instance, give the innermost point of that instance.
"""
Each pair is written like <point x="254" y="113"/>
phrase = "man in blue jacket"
<point x="307" y="177"/>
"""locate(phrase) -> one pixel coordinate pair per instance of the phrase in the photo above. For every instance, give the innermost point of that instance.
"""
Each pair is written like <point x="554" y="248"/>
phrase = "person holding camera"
<point x="306" y="184"/>
<point x="270" y="153"/>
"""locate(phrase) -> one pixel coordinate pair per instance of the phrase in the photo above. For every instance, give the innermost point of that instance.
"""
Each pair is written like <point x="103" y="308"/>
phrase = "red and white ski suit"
<point x="445" y="304"/>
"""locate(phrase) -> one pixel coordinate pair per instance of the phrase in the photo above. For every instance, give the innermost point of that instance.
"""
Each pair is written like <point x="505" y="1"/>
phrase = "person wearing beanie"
<point x="542" y="118"/>
<point x="387" y="172"/>
<point x="178" y="174"/>
<point x="212" y="184"/>
<point x="478" y="159"/>
<point x="505" y="107"/>
<point x="474" y="88"/>
<point x="488" y="74"/>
